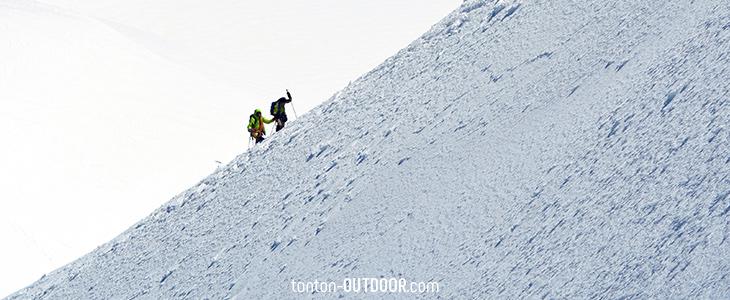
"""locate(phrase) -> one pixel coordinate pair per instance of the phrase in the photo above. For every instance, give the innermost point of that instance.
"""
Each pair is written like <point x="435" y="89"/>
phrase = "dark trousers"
<point x="280" y="121"/>
<point x="257" y="136"/>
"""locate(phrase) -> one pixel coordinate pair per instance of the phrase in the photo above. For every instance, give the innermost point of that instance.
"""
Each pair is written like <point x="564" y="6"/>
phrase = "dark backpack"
<point x="273" y="108"/>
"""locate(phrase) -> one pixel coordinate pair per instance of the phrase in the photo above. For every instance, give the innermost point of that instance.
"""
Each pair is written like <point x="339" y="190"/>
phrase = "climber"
<point x="278" y="111"/>
<point x="256" y="125"/>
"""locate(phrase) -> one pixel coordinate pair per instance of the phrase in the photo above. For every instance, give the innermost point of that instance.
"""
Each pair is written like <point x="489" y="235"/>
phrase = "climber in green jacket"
<point x="256" y="125"/>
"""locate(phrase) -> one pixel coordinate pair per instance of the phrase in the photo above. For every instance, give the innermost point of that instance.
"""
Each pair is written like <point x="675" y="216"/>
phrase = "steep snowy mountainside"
<point x="93" y="122"/>
<point x="540" y="149"/>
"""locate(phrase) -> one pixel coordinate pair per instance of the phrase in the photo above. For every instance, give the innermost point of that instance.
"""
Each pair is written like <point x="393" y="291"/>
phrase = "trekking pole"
<point x="249" y="143"/>
<point x="294" y="110"/>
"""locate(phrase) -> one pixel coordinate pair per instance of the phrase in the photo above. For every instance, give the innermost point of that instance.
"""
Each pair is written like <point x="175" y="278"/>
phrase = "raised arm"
<point x="288" y="95"/>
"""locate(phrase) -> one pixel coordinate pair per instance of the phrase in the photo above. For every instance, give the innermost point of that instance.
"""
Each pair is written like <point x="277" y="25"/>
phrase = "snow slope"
<point x="516" y="150"/>
<point x="91" y="121"/>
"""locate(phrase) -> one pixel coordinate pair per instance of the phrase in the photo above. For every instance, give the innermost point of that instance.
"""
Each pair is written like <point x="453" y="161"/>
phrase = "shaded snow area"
<point x="517" y="150"/>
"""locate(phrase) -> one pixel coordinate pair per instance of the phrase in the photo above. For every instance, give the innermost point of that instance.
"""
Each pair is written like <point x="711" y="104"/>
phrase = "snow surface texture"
<point x="129" y="102"/>
<point x="517" y="150"/>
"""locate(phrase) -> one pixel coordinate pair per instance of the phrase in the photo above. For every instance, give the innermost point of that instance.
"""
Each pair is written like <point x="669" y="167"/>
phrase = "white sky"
<point x="96" y="138"/>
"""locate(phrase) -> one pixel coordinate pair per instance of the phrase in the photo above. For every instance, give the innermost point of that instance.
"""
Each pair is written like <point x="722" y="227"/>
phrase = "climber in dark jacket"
<point x="279" y="112"/>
